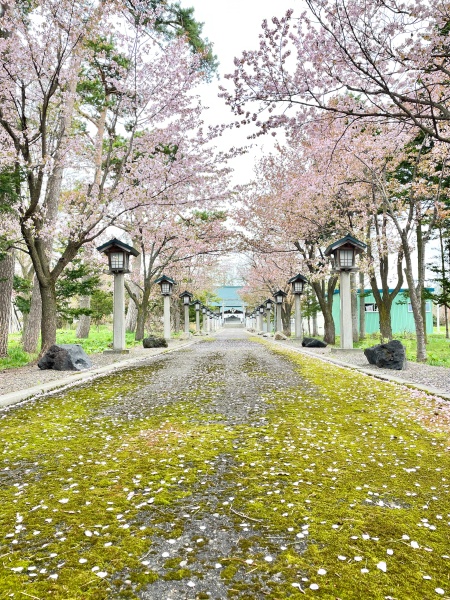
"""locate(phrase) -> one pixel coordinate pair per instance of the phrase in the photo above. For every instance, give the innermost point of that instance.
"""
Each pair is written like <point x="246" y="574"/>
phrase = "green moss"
<point x="177" y="575"/>
<point x="337" y="458"/>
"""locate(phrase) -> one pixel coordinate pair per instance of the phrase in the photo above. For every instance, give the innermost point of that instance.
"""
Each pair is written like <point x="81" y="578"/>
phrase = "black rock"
<point x="313" y="343"/>
<point x="387" y="356"/>
<point x="154" y="342"/>
<point x="371" y="355"/>
<point x="65" y="357"/>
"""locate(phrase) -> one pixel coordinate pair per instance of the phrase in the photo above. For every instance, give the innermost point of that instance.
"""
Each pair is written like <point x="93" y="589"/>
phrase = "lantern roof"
<point x="348" y="240"/>
<point x="280" y="293"/>
<point x="164" y="278"/>
<point x="298" y="277"/>
<point x="116" y="244"/>
<point x="186" y="293"/>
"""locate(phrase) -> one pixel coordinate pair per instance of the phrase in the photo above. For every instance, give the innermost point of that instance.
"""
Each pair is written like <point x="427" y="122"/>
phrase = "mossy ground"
<point x="339" y="475"/>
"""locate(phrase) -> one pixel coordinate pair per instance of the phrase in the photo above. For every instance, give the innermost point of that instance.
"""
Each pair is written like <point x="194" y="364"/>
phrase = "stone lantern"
<point x="166" y="284"/>
<point x="343" y="253"/>
<point x="198" y="306"/>
<point x="298" y="284"/>
<point x="279" y="297"/>
<point x="118" y="254"/>
<point x="268" y="304"/>
<point x="186" y="298"/>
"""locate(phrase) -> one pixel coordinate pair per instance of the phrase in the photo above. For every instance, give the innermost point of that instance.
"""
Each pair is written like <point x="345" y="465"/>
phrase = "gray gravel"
<point x="22" y="378"/>
<point x="415" y="373"/>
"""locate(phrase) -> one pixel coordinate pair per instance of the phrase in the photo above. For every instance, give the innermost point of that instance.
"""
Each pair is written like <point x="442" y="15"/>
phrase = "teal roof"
<point x="228" y="294"/>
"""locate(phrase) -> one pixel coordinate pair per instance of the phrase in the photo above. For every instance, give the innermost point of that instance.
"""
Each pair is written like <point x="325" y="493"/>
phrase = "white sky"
<point x="234" y="26"/>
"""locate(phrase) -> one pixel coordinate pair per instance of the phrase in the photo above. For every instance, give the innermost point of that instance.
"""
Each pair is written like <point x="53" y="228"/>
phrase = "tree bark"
<point x="135" y="295"/>
<point x="6" y="290"/>
<point x="49" y="317"/>
<point x="384" y="311"/>
<point x="362" y="308"/>
<point x="415" y="298"/>
<point x="84" y="324"/>
<point x="131" y="318"/>
<point x="286" y="318"/>
<point x="142" y="314"/>
<point x="324" y="297"/>
<point x="176" y="317"/>
<point x="32" y="326"/>
<point x="385" y="297"/>
<point x="421" y="270"/>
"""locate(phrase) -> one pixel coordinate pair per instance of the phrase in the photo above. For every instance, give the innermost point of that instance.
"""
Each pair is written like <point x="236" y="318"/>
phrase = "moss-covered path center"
<point x="231" y="469"/>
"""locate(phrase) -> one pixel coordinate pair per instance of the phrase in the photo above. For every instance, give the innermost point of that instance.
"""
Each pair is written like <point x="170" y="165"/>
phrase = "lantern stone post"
<point x="261" y="311"/>
<point x="298" y="283"/>
<point x="166" y="284"/>
<point x="344" y="253"/>
<point x="268" y="304"/>
<point x="279" y="297"/>
<point x="118" y="259"/>
<point x="186" y="298"/>
<point x="197" y="305"/>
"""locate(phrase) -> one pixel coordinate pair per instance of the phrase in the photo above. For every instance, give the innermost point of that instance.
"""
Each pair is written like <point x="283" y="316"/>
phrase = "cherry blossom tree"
<point x="92" y="103"/>
<point x="170" y="242"/>
<point x="392" y="56"/>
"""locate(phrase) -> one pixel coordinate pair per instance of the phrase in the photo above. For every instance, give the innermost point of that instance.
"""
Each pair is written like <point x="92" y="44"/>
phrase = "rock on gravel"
<point x="65" y="357"/>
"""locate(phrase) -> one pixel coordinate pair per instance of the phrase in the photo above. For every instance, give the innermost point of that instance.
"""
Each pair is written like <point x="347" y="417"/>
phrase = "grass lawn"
<point x="342" y="490"/>
<point x="438" y="347"/>
<point x="98" y="340"/>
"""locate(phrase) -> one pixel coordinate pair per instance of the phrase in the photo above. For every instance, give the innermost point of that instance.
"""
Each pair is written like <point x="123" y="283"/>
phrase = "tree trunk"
<point x="415" y="298"/>
<point x="286" y="318"/>
<point x="84" y="324"/>
<point x="142" y="314"/>
<point x="140" y="323"/>
<point x="134" y="292"/>
<point x="384" y="297"/>
<point x="6" y="290"/>
<point x="325" y="300"/>
<point x="362" y="308"/>
<point x="421" y="270"/>
<point x="176" y="315"/>
<point x="131" y="318"/>
<point x="384" y="311"/>
<point x="49" y="317"/>
<point x="32" y="326"/>
<point x="354" y="301"/>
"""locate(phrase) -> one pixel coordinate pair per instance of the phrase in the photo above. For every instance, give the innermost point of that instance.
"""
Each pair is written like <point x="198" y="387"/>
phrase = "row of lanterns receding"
<point x="118" y="254"/>
<point x="343" y="254"/>
<point x="209" y="316"/>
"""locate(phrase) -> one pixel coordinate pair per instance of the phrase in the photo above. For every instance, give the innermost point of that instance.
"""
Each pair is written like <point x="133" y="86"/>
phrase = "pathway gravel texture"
<point x="154" y="454"/>
<point x="415" y="373"/>
<point x="22" y="378"/>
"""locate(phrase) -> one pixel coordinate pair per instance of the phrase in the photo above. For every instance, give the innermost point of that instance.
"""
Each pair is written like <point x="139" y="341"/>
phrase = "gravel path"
<point x="199" y="476"/>
<point x="415" y="373"/>
<point x="22" y="378"/>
